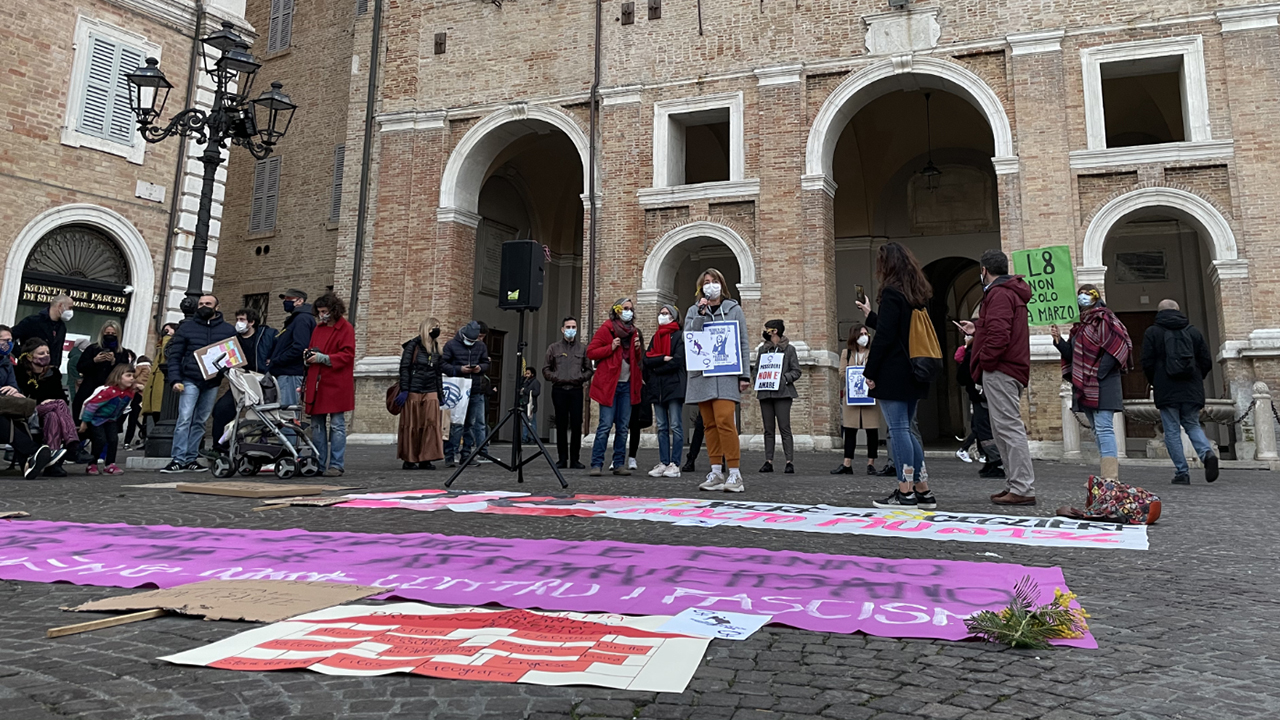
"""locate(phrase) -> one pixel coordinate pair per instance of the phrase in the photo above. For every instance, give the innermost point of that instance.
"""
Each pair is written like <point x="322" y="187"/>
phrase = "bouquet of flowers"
<point x="1024" y="625"/>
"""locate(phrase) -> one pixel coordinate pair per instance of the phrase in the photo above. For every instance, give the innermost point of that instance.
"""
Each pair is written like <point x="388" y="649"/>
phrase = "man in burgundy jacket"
<point x="1002" y="365"/>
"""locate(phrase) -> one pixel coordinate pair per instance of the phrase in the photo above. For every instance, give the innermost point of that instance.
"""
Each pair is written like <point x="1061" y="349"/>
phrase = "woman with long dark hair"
<point x="890" y="377"/>
<point x="858" y="417"/>
<point x="1094" y="355"/>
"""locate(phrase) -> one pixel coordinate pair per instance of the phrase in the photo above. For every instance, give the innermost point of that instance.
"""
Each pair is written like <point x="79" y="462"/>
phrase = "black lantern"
<point x="150" y="91"/>
<point x="278" y="108"/>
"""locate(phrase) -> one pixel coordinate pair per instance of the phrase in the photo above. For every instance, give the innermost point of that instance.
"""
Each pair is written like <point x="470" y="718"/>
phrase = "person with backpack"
<point x="1094" y="355"/>
<point x="1001" y="363"/>
<point x="903" y="361"/>
<point x="1176" y="360"/>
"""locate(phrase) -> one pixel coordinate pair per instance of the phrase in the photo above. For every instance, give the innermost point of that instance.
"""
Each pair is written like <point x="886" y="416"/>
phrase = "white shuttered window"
<point x="104" y="110"/>
<point x="266" y="195"/>
<point x="335" y="197"/>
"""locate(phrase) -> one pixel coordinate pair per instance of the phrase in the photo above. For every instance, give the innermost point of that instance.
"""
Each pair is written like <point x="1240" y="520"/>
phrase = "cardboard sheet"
<point x="251" y="600"/>
<point x="466" y="644"/>
<point x="250" y="489"/>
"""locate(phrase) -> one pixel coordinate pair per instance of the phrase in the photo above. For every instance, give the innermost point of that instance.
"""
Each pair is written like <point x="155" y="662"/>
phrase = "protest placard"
<point x="769" y="376"/>
<point x="219" y="356"/>
<point x="1053" y="287"/>
<point x="855" y="387"/>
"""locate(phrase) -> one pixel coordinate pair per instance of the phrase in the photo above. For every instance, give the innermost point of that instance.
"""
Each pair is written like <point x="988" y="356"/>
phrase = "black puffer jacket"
<point x="419" y="373"/>
<point x="192" y="335"/>
<point x="1172" y="391"/>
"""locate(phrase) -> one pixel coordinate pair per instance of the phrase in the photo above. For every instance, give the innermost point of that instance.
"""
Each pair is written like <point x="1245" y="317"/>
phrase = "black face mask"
<point x="109" y="342"/>
<point x="435" y="333"/>
<point x="767" y="336"/>
<point x="204" y="312"/>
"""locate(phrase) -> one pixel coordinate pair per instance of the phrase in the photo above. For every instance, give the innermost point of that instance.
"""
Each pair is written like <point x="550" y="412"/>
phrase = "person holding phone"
<point x="330" y="389"/>
<point x="466" y="356"/>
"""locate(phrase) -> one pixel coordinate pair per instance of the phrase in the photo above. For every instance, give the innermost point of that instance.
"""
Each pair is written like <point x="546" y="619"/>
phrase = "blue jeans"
<point x="1104" y="429"/>
<point x="193" y="411"/>
<point x="462" y="438"/>
<point x="329" y="433"/>
<point x="525" y="436"/>
<point x="619" y="418"/>
<point x="287" y="388"/>
<point x="907" y="450"/>
<point x="669" y="417"/>
<point x="1183" y="416"/>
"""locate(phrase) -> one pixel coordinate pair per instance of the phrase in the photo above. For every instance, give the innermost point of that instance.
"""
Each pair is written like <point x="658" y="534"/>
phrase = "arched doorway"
<point x="914" y="165"/>
<point x="671" y="271"/>
<point x="519" y="172"/>
<point x="1155" y="244"/>
<point x="94" y="255"/>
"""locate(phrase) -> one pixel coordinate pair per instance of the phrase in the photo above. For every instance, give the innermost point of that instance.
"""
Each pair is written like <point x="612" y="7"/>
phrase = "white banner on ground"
<point x="904" y="523"/>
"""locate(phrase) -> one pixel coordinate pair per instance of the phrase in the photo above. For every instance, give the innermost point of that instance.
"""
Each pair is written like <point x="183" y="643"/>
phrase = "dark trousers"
<point x="695" y="441"/>
<point x="567" y="402"/>
<point x="777" y="411"/>
<point x="224" y="411"/>
<point x="982" y="429"/>
<point x="105" y="436"/>
<point x="19" y="437"/>
<point x="851" y="442"/>
<point x="136" y="423"/>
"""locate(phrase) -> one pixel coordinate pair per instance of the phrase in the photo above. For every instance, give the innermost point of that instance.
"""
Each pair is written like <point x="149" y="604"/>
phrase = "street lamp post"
<point x="256" y="125"/>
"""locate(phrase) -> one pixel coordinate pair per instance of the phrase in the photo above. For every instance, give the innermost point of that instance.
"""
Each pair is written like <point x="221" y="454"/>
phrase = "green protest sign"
<point x="1053" y="285"/>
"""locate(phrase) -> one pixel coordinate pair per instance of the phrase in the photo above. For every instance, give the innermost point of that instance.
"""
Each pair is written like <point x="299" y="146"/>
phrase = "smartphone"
<point x="862" y="294"/>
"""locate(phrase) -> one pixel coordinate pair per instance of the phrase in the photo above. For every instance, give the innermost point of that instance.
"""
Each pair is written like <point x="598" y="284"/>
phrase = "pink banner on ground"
<point x="833" y="593"/>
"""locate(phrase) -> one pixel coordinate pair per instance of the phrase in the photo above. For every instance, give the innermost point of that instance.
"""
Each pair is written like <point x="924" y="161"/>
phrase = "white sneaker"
<point x="714" y="481"/>
<point x="982" y="459"/>
<point x="964" y="455"/>
<point x="734" y="484"/>
<point x="631" y="463"/>
<point x="672" y="471"/>
<point x="658" y="470"/>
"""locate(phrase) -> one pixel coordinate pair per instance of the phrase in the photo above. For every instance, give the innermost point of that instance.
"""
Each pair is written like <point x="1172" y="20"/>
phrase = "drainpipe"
<point x="176" y="199"/>
<point x="591" y="180"/>
<point x="362" y="214"/>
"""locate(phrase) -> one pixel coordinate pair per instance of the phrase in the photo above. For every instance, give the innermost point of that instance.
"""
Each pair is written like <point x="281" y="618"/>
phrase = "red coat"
<point x="331" y="389"/>
<point x="609" y="365"/>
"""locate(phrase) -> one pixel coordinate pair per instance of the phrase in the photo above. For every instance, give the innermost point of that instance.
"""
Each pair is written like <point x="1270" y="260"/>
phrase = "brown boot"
<point x="1110" y="468"/>
<point x="1014" y="499"/>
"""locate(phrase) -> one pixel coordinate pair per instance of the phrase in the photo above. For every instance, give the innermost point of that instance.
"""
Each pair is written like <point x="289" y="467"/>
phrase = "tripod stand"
<point x="516" y="414"/>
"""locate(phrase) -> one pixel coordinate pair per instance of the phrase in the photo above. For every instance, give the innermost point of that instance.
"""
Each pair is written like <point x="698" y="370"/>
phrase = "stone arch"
<point x="1183" y="204"/>
<point x="896" y="74"/>
<point x="464" y="173"/>
<point x="662" y="259"/>
<point x="136" y="251"/>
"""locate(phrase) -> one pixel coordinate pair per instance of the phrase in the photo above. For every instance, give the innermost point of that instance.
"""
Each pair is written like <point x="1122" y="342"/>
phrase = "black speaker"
<point x="521" y="276"/>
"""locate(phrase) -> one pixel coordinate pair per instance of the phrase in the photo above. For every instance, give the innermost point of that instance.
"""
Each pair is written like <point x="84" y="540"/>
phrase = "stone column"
<point x="1070" y="428"/>
<point x="1264" y="424"/>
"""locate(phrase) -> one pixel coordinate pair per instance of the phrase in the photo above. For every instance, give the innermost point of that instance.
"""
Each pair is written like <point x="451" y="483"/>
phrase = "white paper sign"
<point x="855" y="387"/>
<point x="715" y="624"/>
<point x="769" y="376"/>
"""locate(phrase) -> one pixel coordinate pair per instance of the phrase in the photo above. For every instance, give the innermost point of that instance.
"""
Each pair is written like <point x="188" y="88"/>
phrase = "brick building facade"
<point x="782" y="143"/>
<point x="87" y="205"/>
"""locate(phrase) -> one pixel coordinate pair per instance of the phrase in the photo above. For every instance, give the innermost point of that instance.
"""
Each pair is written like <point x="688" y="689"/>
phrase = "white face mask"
<point x="863" y="340"/>
<point x="67" y="315"/>
<point x="664" y="319"/>
<point x="570" y="333"/>
<point x="711" y="290"/>
<point x="468" y="342"/>
<point x="242" y="327"/>
<point x="1084" y="300"/>
<point x="627" y="315"/>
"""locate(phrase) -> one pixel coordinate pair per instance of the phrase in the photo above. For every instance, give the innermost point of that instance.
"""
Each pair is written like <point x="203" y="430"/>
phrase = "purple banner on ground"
<point x="833" y="593"/>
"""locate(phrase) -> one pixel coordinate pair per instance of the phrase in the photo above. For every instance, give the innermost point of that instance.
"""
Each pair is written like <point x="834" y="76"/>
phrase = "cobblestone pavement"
<point x="1187" y="629"/>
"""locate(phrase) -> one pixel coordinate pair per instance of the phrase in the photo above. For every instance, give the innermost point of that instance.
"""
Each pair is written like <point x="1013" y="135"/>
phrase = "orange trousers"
<point x="721" y="431"/>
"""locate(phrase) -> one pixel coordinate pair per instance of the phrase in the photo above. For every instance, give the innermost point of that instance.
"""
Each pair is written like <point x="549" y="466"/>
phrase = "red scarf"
<point x="1098" y="331"/>
<point x="661" y="345"/>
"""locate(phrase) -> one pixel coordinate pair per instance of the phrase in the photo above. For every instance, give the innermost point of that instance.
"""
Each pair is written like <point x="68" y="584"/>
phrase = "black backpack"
<point x="1179" y="355"/>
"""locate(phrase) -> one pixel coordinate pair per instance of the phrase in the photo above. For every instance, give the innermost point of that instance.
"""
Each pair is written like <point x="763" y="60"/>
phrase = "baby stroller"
<point x="257" y="435"/>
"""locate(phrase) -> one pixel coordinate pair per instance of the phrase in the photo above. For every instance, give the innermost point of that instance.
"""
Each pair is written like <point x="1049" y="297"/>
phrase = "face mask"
<point x="324" y="317"/>
<point x="766" y="335"/>
<point x="864" y="340"/>
<point x="468" y="342"/>
<point x="5" y="347"/>
<point x="109" y="342"/>
<point x="664" y="319"/>
<point x="570" y="333"/>
<point x="288" y="306"/>
<point x="242" y="327"/>
<point x="204" y="312"/>
<point x="711" y="290"/>
<point x="435" y="333"/>
<point x="627" y="315"/>
<point x="1084" y="300"/>
<point x="40" y="361"/>
<point x="67" y="315"/>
